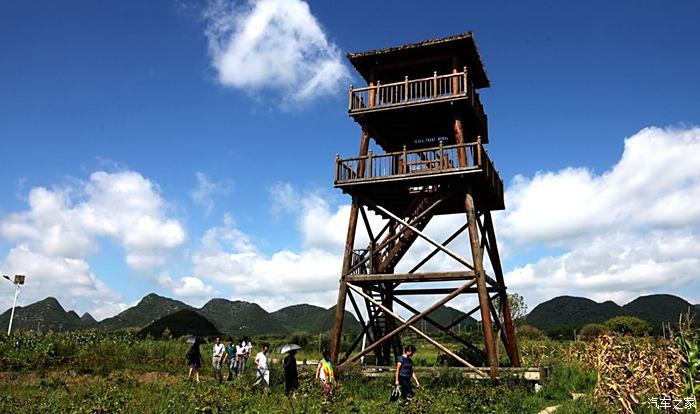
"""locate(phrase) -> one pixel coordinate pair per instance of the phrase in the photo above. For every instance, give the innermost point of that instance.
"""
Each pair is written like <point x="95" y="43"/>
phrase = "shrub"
<point x="628" y="325"/>
<point x="525" y="331"/>
<point x="591" y="331"/>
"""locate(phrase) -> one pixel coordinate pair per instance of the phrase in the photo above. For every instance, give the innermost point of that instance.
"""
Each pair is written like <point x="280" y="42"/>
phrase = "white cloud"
<point x="228" y="257"/>
<point x="628" y="231"/>
<point x="54" y="275"/>
<point x="275" y="45"/>
<point x="207" y="189"/>
<point x="325" y="229"/>
<point x="189" y="287"/>
<point x="631" y="230"/>
<point x="124" y="206"/>
<point x="285" y="198"/>
<point x="105" y="309"/>
<point x="63" y="226"/>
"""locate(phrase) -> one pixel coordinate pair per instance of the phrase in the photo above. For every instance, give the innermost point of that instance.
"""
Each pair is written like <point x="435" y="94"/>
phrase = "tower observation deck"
<point x="421" y="106"/>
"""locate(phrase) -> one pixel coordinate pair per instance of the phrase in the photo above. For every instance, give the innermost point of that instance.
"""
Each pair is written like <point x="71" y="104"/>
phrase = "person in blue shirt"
<point x="404" y="372"/>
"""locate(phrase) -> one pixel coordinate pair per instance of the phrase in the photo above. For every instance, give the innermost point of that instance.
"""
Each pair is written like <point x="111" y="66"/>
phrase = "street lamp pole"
<point x="19" y="280"/>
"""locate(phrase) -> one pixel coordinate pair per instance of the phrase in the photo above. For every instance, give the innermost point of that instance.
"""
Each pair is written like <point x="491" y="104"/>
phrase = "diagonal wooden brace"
<point x="421" y="234"/>
<point x="408" y="324"/>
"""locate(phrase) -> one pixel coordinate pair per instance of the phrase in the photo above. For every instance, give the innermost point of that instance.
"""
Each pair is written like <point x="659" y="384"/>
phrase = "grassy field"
<point x="109" y="373"/>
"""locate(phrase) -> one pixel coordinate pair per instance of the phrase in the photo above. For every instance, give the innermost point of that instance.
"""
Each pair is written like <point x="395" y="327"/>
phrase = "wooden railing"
<point x="410" y="91"/>
<point x="435" y="160"/>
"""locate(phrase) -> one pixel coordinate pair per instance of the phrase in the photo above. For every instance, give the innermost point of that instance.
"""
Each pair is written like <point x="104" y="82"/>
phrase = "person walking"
<point x="248" y="346"/>
<point x="194" y="361"/>
<point x="291" y="376"/>
<point x="230" y="358"/>
<point x="325" y="373"/>
<point x="262" y="372"/>
<point x="240" y="354"/>
<point x="404" y="372"/>
<point x="218" y="355"/>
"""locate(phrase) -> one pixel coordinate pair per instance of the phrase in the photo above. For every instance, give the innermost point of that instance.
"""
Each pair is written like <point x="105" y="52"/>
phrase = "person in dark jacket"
<point x="291" y="376"/>
<point x="194" y="361"/>
<point x="404" y="372"/>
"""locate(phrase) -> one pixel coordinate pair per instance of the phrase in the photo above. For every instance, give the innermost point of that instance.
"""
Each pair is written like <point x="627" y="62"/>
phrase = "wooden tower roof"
<point x="396" y="59"/>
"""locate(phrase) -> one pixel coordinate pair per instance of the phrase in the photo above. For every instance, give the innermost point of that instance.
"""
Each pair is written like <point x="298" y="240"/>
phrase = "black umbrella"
<point x="198" y="340"/>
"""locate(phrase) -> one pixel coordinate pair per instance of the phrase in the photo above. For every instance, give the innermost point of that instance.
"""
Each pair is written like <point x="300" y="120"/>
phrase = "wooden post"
<point x="455" y="82"/>
<point x="347" y="259"/>
<point x="478" y="150"/>
<point x="484" y="300"/>
<point x="337" y="168"/>
<point x="364" y="147"/>
<point x="405" y="89"/>
<point x="459" y="140"/>
<point x="405" y="162"/>
<point x="369" y="165"/>
<point x="372" y="92"/>
<point x="350" y="103"/>
<point x="465" y="88"/>
<point x="435" y="84"/>
<point x="342" y="290"/>
<point x="511" y="345"/>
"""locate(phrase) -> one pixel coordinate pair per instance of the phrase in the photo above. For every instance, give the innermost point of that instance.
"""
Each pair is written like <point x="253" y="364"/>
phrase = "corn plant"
<point x="687" y="340"/>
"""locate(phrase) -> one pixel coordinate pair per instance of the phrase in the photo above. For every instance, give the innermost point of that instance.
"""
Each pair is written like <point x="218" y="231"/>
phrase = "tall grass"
<point x="96" y="372"/>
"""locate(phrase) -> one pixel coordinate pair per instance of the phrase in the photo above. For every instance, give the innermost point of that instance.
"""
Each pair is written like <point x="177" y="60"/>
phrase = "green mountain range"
<point x="235" y="318"/>
<point x="445" y="315"/>
<point x="46" y="314"/>
<point x="238" y="318"/>
<point x="151" y="308"/>
<point x="573" y="312"/>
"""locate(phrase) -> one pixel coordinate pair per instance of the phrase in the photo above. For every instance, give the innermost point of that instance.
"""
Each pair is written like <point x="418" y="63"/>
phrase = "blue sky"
<point x="216" y="154"/>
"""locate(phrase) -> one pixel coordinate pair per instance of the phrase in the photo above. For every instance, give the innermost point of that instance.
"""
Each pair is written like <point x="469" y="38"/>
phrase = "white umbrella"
<point x="288" y="347"/>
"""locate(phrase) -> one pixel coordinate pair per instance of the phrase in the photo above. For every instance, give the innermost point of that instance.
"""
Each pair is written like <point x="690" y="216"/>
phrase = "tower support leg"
<point x="347" y="257"/>
<point x="343" y="289"/>
<point x="484" y="300"/>
<point x="511" y="343"/>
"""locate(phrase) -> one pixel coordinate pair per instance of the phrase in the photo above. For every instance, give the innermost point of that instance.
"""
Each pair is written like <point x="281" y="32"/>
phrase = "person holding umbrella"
<point x="194" y="357"/>
<point x="289" y="363"/>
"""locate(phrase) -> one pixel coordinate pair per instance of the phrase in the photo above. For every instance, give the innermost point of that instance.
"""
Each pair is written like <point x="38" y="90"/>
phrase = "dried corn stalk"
<point x="631" y="370"/>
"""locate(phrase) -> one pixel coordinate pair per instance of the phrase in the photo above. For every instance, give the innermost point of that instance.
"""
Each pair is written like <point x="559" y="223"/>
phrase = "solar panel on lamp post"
<point x="19" y="280"/>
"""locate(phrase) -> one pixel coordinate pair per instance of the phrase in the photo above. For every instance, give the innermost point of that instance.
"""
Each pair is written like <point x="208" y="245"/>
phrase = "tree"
<point x="518" y="307"/>
<point x="591" y="331"/>
<point x="525" y="331"/>
<point x="628" y="325"/>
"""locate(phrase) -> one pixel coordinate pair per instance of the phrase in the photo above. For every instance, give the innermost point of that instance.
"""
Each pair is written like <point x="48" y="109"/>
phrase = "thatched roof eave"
<point x="361" y="60"/>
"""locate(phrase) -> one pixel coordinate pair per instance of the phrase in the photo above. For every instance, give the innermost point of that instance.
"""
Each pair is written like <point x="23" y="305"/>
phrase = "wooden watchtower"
<point x="422" y="108"/>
